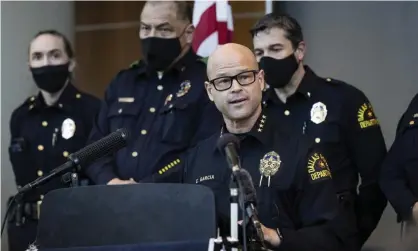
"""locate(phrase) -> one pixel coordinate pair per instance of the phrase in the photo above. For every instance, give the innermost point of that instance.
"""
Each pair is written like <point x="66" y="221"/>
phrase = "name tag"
<point x="126" y="100"/>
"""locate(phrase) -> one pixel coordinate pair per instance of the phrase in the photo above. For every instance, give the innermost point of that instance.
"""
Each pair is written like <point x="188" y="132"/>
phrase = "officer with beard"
<point x="45" y="129"/>
<point x="335" y="115"/>
<point x="161" y="100"/>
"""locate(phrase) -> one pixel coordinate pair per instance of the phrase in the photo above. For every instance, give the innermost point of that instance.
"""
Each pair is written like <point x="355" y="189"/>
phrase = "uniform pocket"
<point x="178" y="123"/>
<point x="123" y="115"/>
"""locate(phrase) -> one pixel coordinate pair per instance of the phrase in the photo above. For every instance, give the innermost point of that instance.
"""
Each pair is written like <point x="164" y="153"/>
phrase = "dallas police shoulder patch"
<point x="366" y="117"/>
<point x="318" y="168"/>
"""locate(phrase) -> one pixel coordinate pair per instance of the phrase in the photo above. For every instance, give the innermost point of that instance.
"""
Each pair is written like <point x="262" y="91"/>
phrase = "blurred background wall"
<point x="371" y="45"/>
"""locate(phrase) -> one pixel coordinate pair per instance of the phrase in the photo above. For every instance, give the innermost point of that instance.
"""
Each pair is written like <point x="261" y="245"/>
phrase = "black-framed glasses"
<point x="243" y="78"/>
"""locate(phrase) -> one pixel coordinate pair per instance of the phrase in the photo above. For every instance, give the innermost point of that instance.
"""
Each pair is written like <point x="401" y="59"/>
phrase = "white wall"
<point x="372" y="45"/>
<point x="20" y="21"/>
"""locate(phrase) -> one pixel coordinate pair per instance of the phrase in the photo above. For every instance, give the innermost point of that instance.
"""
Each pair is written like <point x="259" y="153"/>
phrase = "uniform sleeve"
<point x="367" y="150"/>
<point x="102" y="171"/>
<point x="14" y="133"/>
<point x="317" y="207"/>
<point x="394" y="179"/>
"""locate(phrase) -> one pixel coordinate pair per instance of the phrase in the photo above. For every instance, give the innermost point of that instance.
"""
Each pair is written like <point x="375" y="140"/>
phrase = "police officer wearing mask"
<point x="45" y="129"/>
<point x="399" y="178"/>
<point x="335" y="115"/>
<point x="296" y="200"/>
<point x="161" y="100"/>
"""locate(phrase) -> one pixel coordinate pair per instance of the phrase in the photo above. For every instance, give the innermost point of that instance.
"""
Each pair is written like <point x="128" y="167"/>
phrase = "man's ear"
<point x="189" y="33"/>
<point x="209" y="89"/>
<point x="262" y="81"/>
<point x="300" y="51"/>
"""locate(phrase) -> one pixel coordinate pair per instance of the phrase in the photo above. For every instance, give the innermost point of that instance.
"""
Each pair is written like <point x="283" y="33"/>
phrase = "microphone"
<point x="103" y="147"/>
<point x="229" y="143"/>
<point x="250" y="200"/>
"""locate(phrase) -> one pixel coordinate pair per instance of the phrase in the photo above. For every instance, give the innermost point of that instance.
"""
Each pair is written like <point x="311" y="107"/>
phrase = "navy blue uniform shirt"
<point x="399" y="177"/>
<point x="340" y="120"/>
<point x="43" y="136"/>
<point x="165" y="114"/>
<point x="293" y="181"/>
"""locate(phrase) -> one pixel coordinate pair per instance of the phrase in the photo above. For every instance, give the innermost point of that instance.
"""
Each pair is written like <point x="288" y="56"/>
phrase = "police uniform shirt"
<point x="165" y="114"/>
<point x="294" y="189"/>
<point x="399" y="178"/>
<point x="340" y="120"/>
<point x="43" y="136"/>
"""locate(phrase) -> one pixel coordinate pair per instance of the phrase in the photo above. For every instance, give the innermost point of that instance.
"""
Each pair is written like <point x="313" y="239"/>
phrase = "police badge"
<point x="68" y="128"/>
<point x="269" y="165"/>
<point x="318" y="112"/>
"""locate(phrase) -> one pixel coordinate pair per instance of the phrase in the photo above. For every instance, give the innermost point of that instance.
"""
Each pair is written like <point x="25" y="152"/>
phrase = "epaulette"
<point x="409" y="123"/>
<point x="134" y="64"/>
<point x="204" y="60"/>
<point x="333" y="81"/>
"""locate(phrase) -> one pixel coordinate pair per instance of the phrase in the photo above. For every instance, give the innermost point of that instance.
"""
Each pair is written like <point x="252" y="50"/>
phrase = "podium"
<point x="128" y="217"/>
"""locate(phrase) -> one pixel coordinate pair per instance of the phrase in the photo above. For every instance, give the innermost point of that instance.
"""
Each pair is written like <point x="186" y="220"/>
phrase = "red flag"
<point x="213" y="26"/>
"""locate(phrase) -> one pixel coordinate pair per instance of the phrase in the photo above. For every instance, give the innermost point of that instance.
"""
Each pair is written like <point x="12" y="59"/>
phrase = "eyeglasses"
<point x="243" y="78"/>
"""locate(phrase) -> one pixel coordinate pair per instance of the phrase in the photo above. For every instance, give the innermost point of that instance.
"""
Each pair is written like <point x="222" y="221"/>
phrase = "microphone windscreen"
<point x="105" y="146"/>
<point x="226" y="139"/>
<point x="248" y="189"/>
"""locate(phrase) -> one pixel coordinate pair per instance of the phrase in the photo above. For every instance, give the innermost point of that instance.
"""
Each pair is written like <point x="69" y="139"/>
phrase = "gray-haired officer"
<point x="296" y="198"/>
<point x="161" y="100"/>
<point x="45" y="129"/>
<point x="399" y="177"/>
<point x="334" y="115"/>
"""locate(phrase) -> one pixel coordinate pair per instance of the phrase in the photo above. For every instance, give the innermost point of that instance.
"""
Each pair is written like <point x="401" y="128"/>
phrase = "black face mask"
<point x="159" y="53"/>
<point x="278" y="72"/>
<point x="51" y="78"/>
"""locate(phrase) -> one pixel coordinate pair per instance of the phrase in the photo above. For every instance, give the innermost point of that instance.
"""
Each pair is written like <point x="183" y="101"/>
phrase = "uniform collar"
<point x="64" y="102"/>
<point x="306" y="87"/>
<point x="260" y="131"/>
<point x="189" y="58"/>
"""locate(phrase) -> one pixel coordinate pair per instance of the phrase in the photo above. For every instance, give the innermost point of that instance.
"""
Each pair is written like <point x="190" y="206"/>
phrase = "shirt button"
<point x="41" y="197"/>
<point x="143" y="132"/>
<point x="152" y="109"/>
<point x="286" y="113"/>
<point x="40" y="148"/>
<point x="120" y="110"/>
<point x="78" y="95"/>
<point x="317" y="140"/>
<point x="328" y="80"/>
<point x="40" y="173"/>
<point x="412" y="122"/>
<point x="44" y="123"/>
<point x="32" y="98"/>
<point x="134" y="154"/>
<point x="60" y="105"/>
<point x="309" y="94"/>
<point x="65" y="154"/>
<point x="160" y="87"/>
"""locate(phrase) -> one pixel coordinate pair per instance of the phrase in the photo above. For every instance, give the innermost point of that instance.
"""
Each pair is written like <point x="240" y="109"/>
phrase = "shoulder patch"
<point x="134" y="64"/>
<point x="204" y="60"/>
<point x="366" y="116"/>
<point x="318" y="168"/>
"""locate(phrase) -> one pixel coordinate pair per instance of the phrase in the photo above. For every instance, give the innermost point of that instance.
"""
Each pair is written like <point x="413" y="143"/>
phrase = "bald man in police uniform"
<point x="296" y="199"/>
<point x="45" y="129"/>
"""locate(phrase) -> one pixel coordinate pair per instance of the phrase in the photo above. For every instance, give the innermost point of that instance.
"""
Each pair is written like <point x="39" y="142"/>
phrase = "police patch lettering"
<point x="318" y="168"/>
<point x="366" y="117"/>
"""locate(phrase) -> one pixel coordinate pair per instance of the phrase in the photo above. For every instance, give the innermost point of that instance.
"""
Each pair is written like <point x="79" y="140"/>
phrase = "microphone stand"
<point x="234" y="198"/>
<point x="73" y="164"/>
